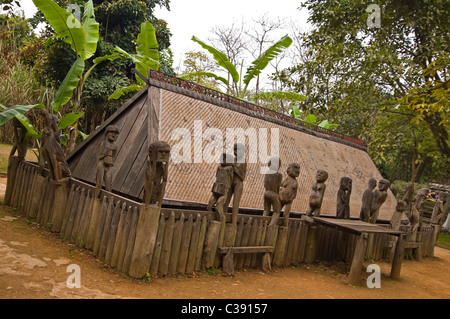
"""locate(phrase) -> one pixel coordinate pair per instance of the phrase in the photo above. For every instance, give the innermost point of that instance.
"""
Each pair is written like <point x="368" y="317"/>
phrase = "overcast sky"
<point x="187" y="18"/>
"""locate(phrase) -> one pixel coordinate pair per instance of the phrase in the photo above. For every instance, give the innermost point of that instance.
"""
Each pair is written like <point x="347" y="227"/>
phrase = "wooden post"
<point x="13" y="164"/>
<point x="146" y="232"/>
<point x="130" y="241"/>
<point x="59" y="204"/>
<point x="398" y="258"/>
<point x="358" y="258"/>
<point x="100" y="226"/>
<point x="119" y="236"/>
<point x="190" y="265"/>
<point x="113" y="232"/>
<point x="230" y="234"/>
<point x="212" y="237"/>
<point x="228" y="263"/>
<point x="311" y="243"/>
<point x="185" y="243"/>
<point x="280" y="246"/>
<point x="125" y="237"/>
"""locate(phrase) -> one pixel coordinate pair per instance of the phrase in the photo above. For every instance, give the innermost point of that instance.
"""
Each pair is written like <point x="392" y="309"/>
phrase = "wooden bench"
<point x="228" y="259"/>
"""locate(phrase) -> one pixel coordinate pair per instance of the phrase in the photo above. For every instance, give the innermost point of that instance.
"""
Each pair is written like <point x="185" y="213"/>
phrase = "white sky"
<point x="187" y="18"/>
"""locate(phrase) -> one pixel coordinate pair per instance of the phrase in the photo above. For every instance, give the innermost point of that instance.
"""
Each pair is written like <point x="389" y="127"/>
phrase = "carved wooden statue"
<point x="288" y="191"/>
<point x="396" y="219"/>
<point x="105" y="157"/>
<point x="415" y="216"/>
<point x="379" y="197"/>
<point x="237" y="187"/>
<point x="440" y="209"/>
<point x="367" y="199"/>
<point x="52" y="153"/>
<point x="221" y="187"/>
<point x="408" y="198"/>
<point x="272" y="184"/>
<point x="316" y="197"/>
<point x="156" y="172"/>
<point x="20" y="141"/>
<point x="343" y="198"/>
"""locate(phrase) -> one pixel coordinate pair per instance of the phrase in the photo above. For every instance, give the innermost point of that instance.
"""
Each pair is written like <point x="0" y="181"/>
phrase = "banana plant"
<point x="311" y="119"/>
<point x="239" y="84"/>
<point x="146" y="57"/>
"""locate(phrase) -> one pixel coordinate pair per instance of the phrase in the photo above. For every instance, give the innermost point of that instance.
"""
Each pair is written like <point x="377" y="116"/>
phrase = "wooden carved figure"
<point x="440" y="209"/>
<point x="343" y="198"/>
<point x="237" y="187"/>
<point x="221" y="187"/>
<point x="367" y="199"/>
<point x="415" y="216"/>
<point x="379" y="197"/>
<point x="105" y="157"/>
<point x="272" y="184"/>
<point x="408" y="198"/>
<point x="156" y="172"/>
<point x="316" y="197"/>
<point x="52" y="153"/>
<point x="288" y="191"/>
<point x="20" y="141"/>
<point x="396" y="219"/>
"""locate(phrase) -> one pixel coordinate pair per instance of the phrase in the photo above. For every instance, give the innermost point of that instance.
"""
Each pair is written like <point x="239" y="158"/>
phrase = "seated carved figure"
<point x="156" y="172"/>
<point x="396" y="219"/>
<point x="343" y="198"/>
<point x="20" y="141"/>
<point x="316" y="197"/>
<point x="379" y="197"/>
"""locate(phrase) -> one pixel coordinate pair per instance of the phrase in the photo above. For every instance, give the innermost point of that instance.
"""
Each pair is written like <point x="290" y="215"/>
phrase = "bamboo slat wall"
<point x="185" y="241"/>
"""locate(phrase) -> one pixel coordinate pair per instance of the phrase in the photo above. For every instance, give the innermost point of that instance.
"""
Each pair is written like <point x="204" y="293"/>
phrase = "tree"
<point x="356" y="73"/>
<point x="199" y="62"/>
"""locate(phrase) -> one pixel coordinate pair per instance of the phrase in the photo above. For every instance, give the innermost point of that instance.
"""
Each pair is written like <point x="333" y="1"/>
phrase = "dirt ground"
<point x="34" y="262"/>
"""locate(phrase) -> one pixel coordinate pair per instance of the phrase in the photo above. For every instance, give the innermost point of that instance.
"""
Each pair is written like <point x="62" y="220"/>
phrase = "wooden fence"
<point x="121" y="234"/>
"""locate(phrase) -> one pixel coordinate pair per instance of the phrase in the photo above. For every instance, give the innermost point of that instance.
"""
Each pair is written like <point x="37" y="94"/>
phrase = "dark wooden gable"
<point x="136" y="129"/>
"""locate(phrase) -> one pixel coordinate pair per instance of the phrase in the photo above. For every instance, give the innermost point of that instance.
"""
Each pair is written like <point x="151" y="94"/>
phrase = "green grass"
<point x="444" y="239"/>
<point x="5" y="149"/>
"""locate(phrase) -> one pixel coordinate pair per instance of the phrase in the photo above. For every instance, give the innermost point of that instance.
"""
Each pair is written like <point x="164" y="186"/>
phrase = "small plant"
<point x="147" y="277"/>
<point x="212" y="271"/>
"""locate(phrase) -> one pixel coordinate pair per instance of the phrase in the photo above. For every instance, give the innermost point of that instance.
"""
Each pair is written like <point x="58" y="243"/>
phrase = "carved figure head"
<point x="345" y="184"/>
<point x="293" y="169"/>
<point x="111" y="133"/>
<point x="372" y="183"/>
<point x="383" y="184"/>
<point x="321" y="176"/>
<point x="159" y="151"/>
<point x="401" y="206"/>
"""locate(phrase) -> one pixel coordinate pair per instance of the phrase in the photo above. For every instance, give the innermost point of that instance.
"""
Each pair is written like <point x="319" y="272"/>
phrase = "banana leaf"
<point x="147" y="43"/>
<point x="65" y="90"/>
<point x="122" y="91"/>
<point x="64" y="24"/>
<point x="18" y="112"/>
<point x="221" y="58"/>
<point x="263" y="60"/>
<point x="91" y="30"/>
<point x="69" y="119"/>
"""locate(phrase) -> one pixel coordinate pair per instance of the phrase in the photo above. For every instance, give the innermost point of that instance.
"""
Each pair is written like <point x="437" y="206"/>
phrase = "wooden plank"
<point x="73" y="232"/>
<point x="131" y="241"/>
<point x="280" y="246"/>
<point x="37" y="196"/>
<point x="166" y="246"/>
<point x="146" y="232"/>
<point x="93" y="221"/>
<point x="176" y="243"/>
<point x="125" y="237"/>
<point x="200" y="244"/>
<point x="70" y="203"/>
<point x="311" y="244"/>
<point x="118" y="209"/>
<point x="80" y="238"/>
<point x="66" y="228"/>
<point x="119" y="236"/>
<point x="105" y="232"/>
<point x="251" y="242"/>
<point x="296" y="242"/>
<point x="244" y="242"/>
<point x="158" y="246"/>
<point x="44" y="199"/>
<point x="195" y="235"/>
<point x="247" y="249"/>
<point x="185" y="243"/>
<point x="100" y="225"/>
<point x="290" y="244"/>
<point x="258" y="241"/>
